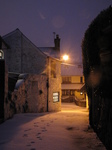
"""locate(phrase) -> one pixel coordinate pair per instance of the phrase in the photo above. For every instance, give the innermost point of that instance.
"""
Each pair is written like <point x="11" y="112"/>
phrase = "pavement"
<point x="65" y="130"/>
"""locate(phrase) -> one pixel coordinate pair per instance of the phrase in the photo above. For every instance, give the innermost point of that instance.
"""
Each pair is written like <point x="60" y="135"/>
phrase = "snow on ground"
<point x="65" y="130"/>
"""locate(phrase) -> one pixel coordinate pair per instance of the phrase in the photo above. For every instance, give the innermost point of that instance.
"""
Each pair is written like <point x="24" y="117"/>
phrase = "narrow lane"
<point x="65" y="130"/>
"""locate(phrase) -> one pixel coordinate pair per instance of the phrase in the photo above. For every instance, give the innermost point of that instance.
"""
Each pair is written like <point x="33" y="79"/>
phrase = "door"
<point x="2" y="87"/>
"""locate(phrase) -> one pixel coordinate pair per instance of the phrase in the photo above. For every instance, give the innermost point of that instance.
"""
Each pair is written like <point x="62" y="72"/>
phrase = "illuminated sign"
<point x="56" y="97"/>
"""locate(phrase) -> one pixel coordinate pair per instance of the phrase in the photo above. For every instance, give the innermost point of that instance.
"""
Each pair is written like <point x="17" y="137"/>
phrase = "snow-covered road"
<point x="65" y="130"/>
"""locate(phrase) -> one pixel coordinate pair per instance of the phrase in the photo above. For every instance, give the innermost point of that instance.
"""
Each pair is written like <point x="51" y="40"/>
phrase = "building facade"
<point x="42" y="70"/>
<point x="72" y="84"/>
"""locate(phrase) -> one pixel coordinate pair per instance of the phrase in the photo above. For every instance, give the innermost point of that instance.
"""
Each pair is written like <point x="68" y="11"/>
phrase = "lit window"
<point x="1" y="54"/>
<point x="81" y="79"/>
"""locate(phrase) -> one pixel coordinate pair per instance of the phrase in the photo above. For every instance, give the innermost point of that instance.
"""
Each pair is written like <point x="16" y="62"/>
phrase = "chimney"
<point x="57" y="42"/>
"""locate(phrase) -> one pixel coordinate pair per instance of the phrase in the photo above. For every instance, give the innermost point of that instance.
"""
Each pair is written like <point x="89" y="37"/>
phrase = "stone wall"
<point x="32" y="56"/>
<point x="8" y="104"/>
<point x="54" y="86"/>
<point x="13" y="55"/>
<point x="23" y="54"/>
<point x="24" y="57"/>
<point x="31" y="96"/>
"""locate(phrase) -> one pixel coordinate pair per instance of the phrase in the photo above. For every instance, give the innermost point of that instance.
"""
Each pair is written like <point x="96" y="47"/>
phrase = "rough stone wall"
<point x="24" y="57"/>
<point x="32" y="56"/>
<point x="23" y="54"/>
<point x="13" y="55"/>
<point x="31" y="96"/>
<point x="54" y="86"/>
<point x="8" y="104"/>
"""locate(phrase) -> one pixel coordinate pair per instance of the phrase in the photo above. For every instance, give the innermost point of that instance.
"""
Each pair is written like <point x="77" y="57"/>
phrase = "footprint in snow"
<point x="25" y="135"/>
<point x="36" y="122"/>
<point x="38" y="137"/>
<point x="32" y="142"/>
<point x="38" y="133"/>
<point x="36" y="126"/>
<point x="27" y="130"/>
<point x="28" y="145"/>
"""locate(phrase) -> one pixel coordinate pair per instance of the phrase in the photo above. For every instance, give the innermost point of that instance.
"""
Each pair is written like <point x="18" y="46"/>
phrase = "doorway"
<point x="2" y="87"/>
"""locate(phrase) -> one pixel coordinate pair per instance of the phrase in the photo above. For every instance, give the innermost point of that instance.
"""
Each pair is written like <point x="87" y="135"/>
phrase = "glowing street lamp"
<point x="65" y="57"/>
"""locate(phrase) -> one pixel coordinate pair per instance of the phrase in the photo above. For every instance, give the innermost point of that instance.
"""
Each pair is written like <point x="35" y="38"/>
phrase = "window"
<point x="63" y="92"/>
<point x="72" y="92"/>
<point x="81" y="79"/>
<point x="56" y="97"/>
<point x="53" y="69"/>
<point x="68" y="92"/>
<point x="66" y="79"/>
<point x="1" y="54"/>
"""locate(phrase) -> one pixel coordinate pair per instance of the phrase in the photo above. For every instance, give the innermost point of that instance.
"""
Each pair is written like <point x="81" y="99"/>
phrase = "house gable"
<point x="24" y="56"/>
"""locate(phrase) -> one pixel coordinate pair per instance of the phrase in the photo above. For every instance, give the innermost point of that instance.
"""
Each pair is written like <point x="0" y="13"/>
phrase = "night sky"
<point x="38" y="19"/>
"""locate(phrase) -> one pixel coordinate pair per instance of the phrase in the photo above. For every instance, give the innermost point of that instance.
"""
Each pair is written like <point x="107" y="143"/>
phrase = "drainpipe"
<point x="47" y="85"/>
<point x="21" y="54"/>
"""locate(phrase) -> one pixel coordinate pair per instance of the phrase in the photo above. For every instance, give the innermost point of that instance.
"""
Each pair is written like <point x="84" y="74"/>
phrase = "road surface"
<point x="65" y="130"/>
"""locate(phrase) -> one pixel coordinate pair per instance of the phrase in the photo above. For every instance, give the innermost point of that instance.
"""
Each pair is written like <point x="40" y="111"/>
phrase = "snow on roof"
<point x="19" y="83"/>
<point x="71" y="70"/>
<point x="50" y="51"/>
<point x="71" y="86"/>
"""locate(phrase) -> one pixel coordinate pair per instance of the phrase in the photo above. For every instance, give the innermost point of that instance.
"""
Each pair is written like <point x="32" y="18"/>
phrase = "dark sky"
<point x="38" y="19"/>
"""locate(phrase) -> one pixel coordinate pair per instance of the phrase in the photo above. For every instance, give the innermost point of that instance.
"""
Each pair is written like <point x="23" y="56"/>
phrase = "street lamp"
<point x="65" y="57"/>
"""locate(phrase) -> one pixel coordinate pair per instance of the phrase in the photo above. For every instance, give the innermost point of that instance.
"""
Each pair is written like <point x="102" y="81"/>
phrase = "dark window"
<point x="63" y="92"/>
<point x="66" y="79"/>
<point x="68" y="92"/>
<point x="53" y="69"/>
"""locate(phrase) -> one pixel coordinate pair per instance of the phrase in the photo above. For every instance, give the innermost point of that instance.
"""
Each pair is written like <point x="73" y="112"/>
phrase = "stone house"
<point x="38" y="74"/>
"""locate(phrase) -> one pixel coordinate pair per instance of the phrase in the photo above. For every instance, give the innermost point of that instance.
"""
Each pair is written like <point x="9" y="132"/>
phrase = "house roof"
<point x="71" y="86"/>
<point x="83" y="88"/>
<point x="1" y="40"/>
<point x="46" y="51"/>
<point x="71" y="70"/>
<point x="17" y="30"/>
<point x="50" y="51"/>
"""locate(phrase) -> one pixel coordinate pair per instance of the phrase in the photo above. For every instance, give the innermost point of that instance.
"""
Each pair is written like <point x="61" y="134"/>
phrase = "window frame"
<point x="66" y="79"/>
